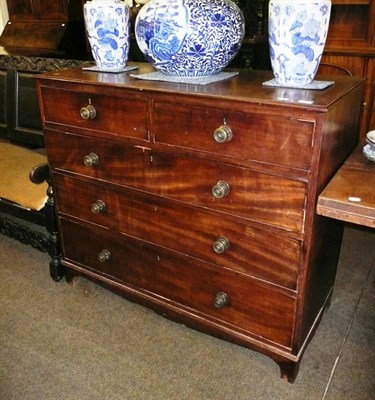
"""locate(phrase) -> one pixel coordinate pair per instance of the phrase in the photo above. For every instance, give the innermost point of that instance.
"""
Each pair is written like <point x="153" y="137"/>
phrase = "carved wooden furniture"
<point x="350" y="196"/>
<point x="21" y="134"/>
<point x="26" y="193"/>
<point x="199" y="201"/>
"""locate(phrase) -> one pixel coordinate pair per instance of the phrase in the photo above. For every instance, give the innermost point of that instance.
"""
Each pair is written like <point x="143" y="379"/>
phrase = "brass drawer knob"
<point x="221" y="300"/>
<point x="98" y="206"/>
<point x="90" y="160"/>
<point x="220" y="190"/>
<point x="88" y="112"/>
<point x="223" y="134"/>
<point x="104" y="256"/>
<point x="221" y="245"/>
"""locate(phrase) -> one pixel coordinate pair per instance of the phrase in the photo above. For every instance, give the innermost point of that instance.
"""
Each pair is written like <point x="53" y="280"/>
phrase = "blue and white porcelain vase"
<point x="297" y="34"/>
<point x="107" y="27"/>
<point x="189" y="38"/>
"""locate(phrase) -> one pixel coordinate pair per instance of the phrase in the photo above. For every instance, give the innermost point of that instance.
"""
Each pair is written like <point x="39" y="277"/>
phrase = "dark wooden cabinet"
<point x="20" y="120"/>
<point x="20" y="9"/>
<point x="199" y="201"/>
<point x="3" y="104"/>
<point x="352" y="24"/>
<point x="24" y="120"/>
<point x="39" y="9"/>
<point x="54" y="10"/>
<point x="40" y="36"/>
<point x="351" y="44"/>
<point x="19" y="112"/>
<point x="42" y="28"/>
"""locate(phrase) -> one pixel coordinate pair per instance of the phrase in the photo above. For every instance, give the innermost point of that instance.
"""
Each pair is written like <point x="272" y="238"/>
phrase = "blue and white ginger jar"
<point x="190" y="37"/>
<point x="107" y="27"/>
<point x="297" y="34"/>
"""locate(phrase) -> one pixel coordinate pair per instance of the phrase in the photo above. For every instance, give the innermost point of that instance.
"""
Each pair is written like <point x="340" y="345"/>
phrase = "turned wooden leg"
<point x="54" y="250"/>
<point x="289" y="370"/>
<point x="39" y="174"/>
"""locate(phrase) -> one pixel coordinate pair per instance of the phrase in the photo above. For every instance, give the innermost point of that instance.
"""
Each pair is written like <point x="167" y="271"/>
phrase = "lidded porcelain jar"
<point x="189" y="37"/>
<point x="107" y="27"/>
<point x="297" y="32"/>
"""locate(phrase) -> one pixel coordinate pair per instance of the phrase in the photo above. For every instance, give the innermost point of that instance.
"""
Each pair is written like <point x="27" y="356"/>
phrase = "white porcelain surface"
<point x="297" y="35"/>
<point x="107" y="27"/>
<point x="369" y="152"/>
<point x="190" y="37"/>
<point x="371" y="138"/>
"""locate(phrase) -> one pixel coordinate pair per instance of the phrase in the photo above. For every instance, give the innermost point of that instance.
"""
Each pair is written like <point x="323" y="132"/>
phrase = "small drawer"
<point x="187" y="230"/>
<point x="252" y="195"/>
<point x="253" y="136"/>
<point x="200" y="289"/>
<point x="95" y="114"/>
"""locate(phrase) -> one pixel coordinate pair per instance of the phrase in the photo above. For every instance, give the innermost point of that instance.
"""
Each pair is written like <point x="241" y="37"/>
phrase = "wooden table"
<point x="350" y="195"/>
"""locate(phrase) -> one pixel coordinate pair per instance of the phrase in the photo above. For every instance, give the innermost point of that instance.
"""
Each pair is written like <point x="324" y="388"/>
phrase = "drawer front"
<point x="119" y="116"/>
<point x="252" y="307"/>
<point x="184" y="229"/>
<point x="252" y="195"/>
<point x="256" y="137"/>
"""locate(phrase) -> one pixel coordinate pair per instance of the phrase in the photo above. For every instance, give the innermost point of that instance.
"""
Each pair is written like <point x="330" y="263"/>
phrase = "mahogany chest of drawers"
<point x="198" y="201"/>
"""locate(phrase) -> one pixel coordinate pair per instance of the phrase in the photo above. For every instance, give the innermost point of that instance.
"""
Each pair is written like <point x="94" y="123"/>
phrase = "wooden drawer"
<point x="184" y="229"/>
<point x="255" y="196"/>
<point x="62" y="107"/>
<point x="267" y="138"/>
<point x="253" y="306"/>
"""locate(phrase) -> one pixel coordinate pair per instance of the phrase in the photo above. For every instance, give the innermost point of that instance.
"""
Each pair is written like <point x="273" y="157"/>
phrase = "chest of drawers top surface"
<point x="246" y="87"/>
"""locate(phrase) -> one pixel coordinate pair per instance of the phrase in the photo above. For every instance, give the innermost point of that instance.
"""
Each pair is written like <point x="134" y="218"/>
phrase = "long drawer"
<point x="252" y="195"/>
<point x="240" y="303"/>
<point x="273" y="139"/>
<point x="184" y="229"/>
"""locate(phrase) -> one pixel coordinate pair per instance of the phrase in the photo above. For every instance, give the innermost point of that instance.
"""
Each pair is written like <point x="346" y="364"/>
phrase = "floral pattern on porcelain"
<point x="107" y="26"/>
<point x="369" y="152"/>
<point x="297" y="34"/>
<point x="190" y="37"/>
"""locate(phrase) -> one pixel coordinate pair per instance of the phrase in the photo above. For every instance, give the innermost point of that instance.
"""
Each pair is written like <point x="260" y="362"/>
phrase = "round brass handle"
<point x="88" y="112"/>
<point x="98" y="206"/>
<point x="104" y="256"/>
<point x="221" y="245"/>
<point x="223" y="134"/>
<point x="220" y="190"/>
<point x="91" y="160"/>
<point x="221" y="300"/>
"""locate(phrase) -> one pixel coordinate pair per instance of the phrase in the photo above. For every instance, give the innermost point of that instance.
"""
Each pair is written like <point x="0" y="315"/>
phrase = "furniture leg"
<point x="39" y="174"/>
